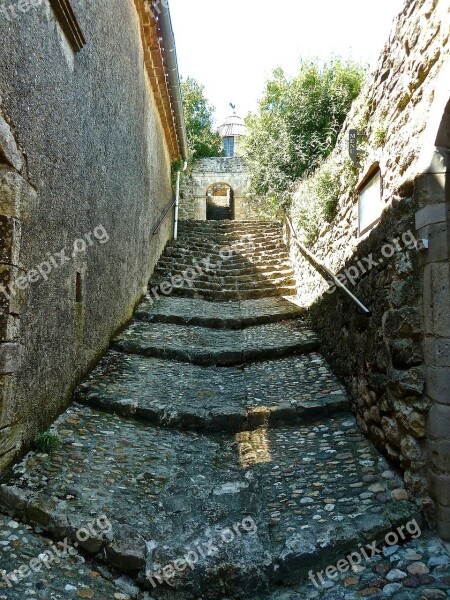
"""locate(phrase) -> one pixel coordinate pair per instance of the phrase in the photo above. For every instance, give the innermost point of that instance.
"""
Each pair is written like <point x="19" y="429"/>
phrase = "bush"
<point x="317" y="197"/>
<point x="296" y="127"/>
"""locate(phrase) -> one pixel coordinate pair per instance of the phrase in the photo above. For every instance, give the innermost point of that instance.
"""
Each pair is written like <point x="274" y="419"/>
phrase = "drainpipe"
<point x="177" y="201"/>
<point x="170" y="55"/>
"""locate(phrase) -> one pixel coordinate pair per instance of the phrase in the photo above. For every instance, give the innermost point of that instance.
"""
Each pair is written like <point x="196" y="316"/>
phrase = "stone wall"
<point x="209" y="171"/>
<point x="381" y="359"/>
<point x="84" y="155"/>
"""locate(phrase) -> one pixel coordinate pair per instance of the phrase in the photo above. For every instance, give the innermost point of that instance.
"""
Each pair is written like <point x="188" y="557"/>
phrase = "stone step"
<point x="216" y="257"/>
<point x="224" y="241"/>
<point x="283" y="271"/>
<point x="245" y="266"/>
<point x="206" y="346"/>
<point x="55" y="574"/>
<point x="208" y="226"/>
<point x="238" y="512"/>
<point x="226" y="315"/>
<point x="243" y="283"/>
<point x="216" y="296"/>
<point x="219" y="281"/>
<point x="298" y="389"/>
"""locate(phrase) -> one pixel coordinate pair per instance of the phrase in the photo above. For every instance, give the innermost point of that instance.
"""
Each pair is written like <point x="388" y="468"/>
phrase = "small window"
<point x="69" y="23"/>
<point x="370" y="205"/>
<point x="228" y="145"/>
<point x="78" y="289"/>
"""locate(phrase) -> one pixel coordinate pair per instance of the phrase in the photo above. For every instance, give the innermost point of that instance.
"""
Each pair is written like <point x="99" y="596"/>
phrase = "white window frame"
<point x="367" y="193"/>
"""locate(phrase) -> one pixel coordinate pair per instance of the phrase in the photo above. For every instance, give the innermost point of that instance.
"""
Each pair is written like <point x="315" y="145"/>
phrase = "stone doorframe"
<point x="432" y="190"/>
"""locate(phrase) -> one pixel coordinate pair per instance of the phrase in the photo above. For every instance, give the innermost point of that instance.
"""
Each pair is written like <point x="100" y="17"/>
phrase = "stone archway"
<point x="207" y="172"/>
<point x="220" y="202"/>
<point x="433" y="224"/>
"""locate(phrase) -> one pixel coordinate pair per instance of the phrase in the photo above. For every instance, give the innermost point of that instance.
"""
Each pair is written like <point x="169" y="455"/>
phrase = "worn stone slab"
<point x="227" y="315"/>
<point x="17" y="197"/>
<point x="298" y="389"/>
<point x="180" y="492"/>
<point x="8" y="147"/>
<point x="205" y="346"/>
<point x="50" y="577"/>
<point x="10" y="357"/>
<point x="418" y="569"/>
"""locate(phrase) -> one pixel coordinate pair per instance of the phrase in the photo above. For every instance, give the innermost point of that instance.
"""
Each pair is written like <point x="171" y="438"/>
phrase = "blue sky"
<point x="232" y="46"/>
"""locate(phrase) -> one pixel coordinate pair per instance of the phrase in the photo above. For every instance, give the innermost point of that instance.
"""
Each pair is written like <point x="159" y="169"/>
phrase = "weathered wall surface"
<point x="207" y="172"/>
<point x="81" y="145"/>
<point x="382" y="359"/>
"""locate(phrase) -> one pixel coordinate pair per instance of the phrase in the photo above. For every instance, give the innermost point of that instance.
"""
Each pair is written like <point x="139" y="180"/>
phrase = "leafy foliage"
<point x="296" y="126"/>
<point x="46" y="442"/>
<point x="203" y="141"/>
<point x="316" y="200"/>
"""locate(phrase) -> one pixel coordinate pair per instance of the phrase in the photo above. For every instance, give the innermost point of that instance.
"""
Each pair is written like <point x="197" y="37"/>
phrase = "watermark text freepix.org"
<point x="202" y="550"/>
<point x="366" y="264"/>
<point x="55" y="261"/>
<point x="198" y="268"/>
<point x="365" y="553"/>
<point x="61" y="550"/>
<point x="16" y="9"/>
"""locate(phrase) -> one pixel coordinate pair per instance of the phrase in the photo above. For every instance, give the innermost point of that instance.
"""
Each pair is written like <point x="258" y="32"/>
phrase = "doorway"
<point x="220" y="202"/>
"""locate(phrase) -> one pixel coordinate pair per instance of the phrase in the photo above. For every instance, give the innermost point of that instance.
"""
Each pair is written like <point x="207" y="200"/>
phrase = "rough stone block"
<point x="9" y="151"/>
<point x="440" y="161"/>
<point x="14" y="498"/>
<point x="407" y="383"/>
<point x="404" y="291"/>
<point x="402" y="323"/>
<point x="436" y="290"/>
<point x="8" y="408"/>
<point x="17" y="197"/>
<point x="13" y="299"/>
<point x="391" y="431"/>
<point x="406" y="353"/>
<point x="439" y="455"/>
<point x="443" y="521"/>
<point x="431" y="214"/>
<point x="128" y="549"/>
<point x="10" y="233"/>
<point x="9" y="327"/>
<point x="439" y="486"/>
<point x="437" y="352"/>
<point x="412" y="420"/>
<point x="438" y="425"/>
<point x="10" y="357"/>
<point x="438" y="384"/>
<point x="411" y="450"/>
<point x="438" y="236"/>
<point x="431" y="189"/>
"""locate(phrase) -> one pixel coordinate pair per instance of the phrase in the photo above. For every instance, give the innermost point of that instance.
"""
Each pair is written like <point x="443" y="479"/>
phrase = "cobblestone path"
<point x="212" y="454"/>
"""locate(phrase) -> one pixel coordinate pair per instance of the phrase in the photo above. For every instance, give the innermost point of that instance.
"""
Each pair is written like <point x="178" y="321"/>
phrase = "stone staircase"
<point x="214" y="437"/>
<point x="227" y="260"/>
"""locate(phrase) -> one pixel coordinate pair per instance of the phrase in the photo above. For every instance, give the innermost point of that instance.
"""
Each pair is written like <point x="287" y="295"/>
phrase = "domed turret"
<point x="232" y="130"/>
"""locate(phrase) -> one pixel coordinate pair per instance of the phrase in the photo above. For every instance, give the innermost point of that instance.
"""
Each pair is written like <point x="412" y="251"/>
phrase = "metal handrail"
<point x="162" y="219"/>
<point x="322" y="267"/>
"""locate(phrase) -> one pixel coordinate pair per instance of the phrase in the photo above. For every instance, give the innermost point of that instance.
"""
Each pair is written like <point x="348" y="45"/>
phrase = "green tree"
<point x="296" y="126"/>
<point x="203" y="141"/>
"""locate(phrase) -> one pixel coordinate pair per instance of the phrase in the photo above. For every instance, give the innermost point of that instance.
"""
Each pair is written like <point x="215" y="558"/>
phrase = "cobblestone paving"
<point x="307" y="488"/>
<point x="257" y="470"/>
<point x="418" y="570"/>
<point x="54" y="575"/>
<point x="206" y="346"/>
<point x="294" y="389"/>
<point x="231" y="315"/>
